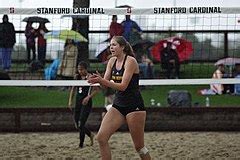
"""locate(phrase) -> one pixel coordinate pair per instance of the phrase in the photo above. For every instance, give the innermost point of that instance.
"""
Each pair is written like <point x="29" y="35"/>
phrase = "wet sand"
<point x="162" y="145"/>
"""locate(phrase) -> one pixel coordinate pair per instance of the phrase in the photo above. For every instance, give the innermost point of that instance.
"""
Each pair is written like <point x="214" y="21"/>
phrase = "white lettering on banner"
<point x="53" y="10"/>
<point x="88" y="11"/>
<point x="205" y="10"/>
<point x="121" y="11"/>
<point x="68" y="11"/>
<point x="170" y="10"/>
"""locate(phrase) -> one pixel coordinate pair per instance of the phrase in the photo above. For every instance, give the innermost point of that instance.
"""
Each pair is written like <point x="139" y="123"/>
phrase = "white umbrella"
<point x="102" y="51"/>
<point x="228" y="61"/>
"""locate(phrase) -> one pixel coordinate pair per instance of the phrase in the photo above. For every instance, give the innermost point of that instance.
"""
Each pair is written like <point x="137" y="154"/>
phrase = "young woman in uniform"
<point x="122" y="74"/>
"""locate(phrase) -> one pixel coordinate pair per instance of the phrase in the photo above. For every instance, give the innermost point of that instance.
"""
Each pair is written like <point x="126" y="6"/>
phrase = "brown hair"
<point x="123" y="42"/>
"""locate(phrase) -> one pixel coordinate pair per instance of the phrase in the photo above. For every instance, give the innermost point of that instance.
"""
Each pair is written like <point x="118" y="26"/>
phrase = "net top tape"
<point x="121" y="11"/>
<point x="142" y="82"/>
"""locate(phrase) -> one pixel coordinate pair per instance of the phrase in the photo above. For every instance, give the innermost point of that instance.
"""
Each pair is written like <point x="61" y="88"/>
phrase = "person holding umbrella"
<point x="170" y="61"/>
<point x="42" y="43"/>
<point x="30" y="34"/>
<point x="180" y="47"/>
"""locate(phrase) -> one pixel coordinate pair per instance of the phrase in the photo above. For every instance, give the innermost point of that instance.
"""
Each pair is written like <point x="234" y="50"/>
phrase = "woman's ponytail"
<point x="128" y="50"/>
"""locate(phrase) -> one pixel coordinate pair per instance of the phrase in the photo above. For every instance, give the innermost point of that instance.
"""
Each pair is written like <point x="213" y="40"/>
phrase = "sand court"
<point x="162" y="145"/>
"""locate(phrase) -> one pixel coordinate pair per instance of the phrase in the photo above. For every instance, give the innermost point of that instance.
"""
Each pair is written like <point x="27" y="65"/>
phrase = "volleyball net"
<point x="210" y="34"/>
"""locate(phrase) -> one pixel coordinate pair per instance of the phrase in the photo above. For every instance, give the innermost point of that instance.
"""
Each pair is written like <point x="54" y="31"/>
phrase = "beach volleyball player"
<point x="122" y="74"/>
<point x="83" y="103"/>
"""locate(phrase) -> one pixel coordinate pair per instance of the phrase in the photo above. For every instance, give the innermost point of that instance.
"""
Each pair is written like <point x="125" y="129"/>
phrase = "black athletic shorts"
<point x="125" y="110"/>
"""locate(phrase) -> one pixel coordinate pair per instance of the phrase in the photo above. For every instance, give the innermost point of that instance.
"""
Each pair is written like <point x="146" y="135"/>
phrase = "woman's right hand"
<point x="95" y="78"/>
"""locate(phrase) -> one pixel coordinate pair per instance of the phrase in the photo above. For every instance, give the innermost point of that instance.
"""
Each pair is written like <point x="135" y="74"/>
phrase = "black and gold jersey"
<point x="131" y="96"/>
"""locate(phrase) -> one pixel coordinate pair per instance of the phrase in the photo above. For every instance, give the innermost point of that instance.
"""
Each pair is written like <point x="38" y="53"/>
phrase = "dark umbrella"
<point x="183" y="47"/>
<point x="36" y="19"/>
<point x="141" y="47"/>
<point x="143" y="42"/>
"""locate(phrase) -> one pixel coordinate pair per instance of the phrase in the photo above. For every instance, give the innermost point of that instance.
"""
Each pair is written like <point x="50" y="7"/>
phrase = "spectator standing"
<point x="170" y="61"/>
<point x="67" y="68"/>
<point x="116" y="29"/>
<point x="132" y="31"/>
<point x="42" y="43"/>
<point x="30" y="34"/>
<point x="7" y="41"/>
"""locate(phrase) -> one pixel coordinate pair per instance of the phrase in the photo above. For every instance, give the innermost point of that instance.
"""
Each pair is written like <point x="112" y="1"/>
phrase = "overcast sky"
<point x="112" y="3"/>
